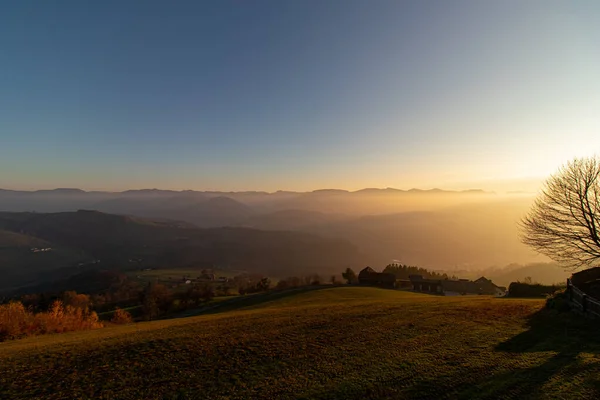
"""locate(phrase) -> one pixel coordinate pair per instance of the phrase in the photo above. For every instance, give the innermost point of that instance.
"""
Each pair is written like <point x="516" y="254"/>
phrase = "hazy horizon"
<point x="522" y="186"/>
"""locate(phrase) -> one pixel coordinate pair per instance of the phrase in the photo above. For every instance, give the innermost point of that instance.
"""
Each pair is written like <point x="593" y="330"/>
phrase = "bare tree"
<point x="564" y="221"/>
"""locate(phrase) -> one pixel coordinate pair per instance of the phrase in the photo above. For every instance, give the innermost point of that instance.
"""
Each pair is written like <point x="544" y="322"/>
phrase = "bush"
<point x="521" y="289"/>
<point x="121" y="316"/>
<point x="290" y="282"/>
<point x="350" y="276"/>
<point x="282" y="284"/>
<point x="16" y="321"/>
<point x="558" y="301"/>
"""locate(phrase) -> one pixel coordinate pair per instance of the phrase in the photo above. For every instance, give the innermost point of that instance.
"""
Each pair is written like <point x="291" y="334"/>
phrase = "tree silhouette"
<point x="564" y="221"/>
<point x="349" y="275"/>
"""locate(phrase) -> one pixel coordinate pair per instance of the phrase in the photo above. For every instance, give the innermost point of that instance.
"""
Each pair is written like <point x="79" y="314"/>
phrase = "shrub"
<point x="282" y="284"/>
<point x="16" y="321"/>
<point x="60" y="318"/>
<point x="558" y="301"/>
<point x="520" y="289"/>
<point x="76" y="300"/>
<point x="350" y="276"/>
<point x="263" y="285"/>
<point x="121" y="317"/>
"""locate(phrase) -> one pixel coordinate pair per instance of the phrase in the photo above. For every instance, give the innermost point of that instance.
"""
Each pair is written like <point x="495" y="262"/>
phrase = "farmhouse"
<point x="368" y="276"/>
<point x="453" y="287"/>
<point x="425" y="285"/>
<point x="448" y="287"/>
<point x="206" y="276"/>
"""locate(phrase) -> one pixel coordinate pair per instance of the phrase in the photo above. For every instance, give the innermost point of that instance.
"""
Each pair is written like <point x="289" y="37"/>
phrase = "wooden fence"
<point x="584" y="303"/>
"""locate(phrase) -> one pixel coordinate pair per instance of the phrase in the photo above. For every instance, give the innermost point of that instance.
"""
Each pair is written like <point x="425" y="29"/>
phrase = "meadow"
<point x="343" y="342"/>
<point x="166" y="275"/>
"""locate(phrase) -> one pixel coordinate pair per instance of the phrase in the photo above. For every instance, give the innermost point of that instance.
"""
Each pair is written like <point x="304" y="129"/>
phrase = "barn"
<point x="368" y="276"/>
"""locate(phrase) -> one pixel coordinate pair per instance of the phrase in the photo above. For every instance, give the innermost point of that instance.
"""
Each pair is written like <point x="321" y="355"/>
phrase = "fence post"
<point x="569" y="289"/>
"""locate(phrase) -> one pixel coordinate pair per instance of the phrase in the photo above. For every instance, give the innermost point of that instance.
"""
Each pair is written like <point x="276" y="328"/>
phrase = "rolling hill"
<point x="468" y="236"/>
<point x="366" y="201"/>
<point x="119" y="242"/>
<point x="26" y="260"/>
<point x="194" y="208"/>
<point x="436" y="229"/>
<point x="346" y="342"/>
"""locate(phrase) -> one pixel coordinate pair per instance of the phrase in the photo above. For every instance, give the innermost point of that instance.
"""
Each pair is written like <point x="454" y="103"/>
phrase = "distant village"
<point x="206" y="275"/>
<point x="40" y="250"/>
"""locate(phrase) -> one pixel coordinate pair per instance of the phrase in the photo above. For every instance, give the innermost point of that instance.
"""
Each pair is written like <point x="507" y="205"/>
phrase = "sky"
<point x="296" y="95"/>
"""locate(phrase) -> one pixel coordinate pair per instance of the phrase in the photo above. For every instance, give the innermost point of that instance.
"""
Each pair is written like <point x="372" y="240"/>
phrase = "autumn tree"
<point x="121" y="316"/>
<point x="156" y="299"/>
<point x="76" y="300"/>
<point x="564" y="221"/>
<point x="207" y="292"/>
<point x="263" y="285"/>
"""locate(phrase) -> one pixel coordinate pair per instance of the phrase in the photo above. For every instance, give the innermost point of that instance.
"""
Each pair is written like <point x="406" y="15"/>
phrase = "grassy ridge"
<point x="332" y="343"/>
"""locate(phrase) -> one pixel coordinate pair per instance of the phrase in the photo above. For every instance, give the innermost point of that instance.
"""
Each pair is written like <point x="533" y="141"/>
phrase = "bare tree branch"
<point x="564" y="221"/>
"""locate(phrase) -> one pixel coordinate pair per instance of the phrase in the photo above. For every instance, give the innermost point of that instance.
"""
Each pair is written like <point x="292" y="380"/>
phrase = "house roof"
<point x="420" y="279"/>
<point x="370" y="273"/>
<point x="480" y="286"/>
<point x="367" y="270"/>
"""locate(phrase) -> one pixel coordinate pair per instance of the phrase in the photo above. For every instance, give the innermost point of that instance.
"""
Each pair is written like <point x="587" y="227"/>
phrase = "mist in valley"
<point x="463" y="233"/>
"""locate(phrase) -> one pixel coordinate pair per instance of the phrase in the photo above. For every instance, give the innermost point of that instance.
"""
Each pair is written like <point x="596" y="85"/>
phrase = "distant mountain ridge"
<point x="431" y="228"/>
<point x="155" y="191"/>
<point x="214" y="208"/>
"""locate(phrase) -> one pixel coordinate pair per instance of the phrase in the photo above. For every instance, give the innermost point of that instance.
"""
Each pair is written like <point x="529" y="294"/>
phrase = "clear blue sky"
<point x="267" y="95"/>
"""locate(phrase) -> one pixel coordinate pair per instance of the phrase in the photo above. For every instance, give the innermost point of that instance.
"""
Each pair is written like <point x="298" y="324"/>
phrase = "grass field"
<point x="336" y="343"/>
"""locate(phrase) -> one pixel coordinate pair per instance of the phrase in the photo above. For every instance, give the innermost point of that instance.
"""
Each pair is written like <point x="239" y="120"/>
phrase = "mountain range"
<point x="435" y="229"/>
<point x="214" y="209"/>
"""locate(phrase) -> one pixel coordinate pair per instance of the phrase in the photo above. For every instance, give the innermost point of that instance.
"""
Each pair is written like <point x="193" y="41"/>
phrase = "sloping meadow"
<point x="344" y="342"/>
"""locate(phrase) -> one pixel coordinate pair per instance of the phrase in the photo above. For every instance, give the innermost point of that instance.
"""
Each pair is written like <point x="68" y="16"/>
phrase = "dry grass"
<point x="328" y="344"/>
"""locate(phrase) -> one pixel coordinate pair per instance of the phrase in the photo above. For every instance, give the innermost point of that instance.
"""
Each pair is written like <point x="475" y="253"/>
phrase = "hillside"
<point x="125" y="243"/>
<point x="351" y="343"/>
<point x="470" y="236"/>
<point x="26" y="259"/>
<point x="10" y="239"/>
<point x="436" y="229"/>
<point x="285" y="220"/>
<point x="151" y="202"/>
<point x="196" y="208"/>
<point x="467" y="236"/>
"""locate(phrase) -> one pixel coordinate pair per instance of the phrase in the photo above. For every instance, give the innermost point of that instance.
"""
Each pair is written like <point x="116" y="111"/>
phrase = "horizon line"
<point x="367" y="189"/>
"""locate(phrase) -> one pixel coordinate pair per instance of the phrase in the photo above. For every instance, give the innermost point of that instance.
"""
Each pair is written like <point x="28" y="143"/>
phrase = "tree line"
<point x="401" y="271"/>
<point x="126" y="300"/>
